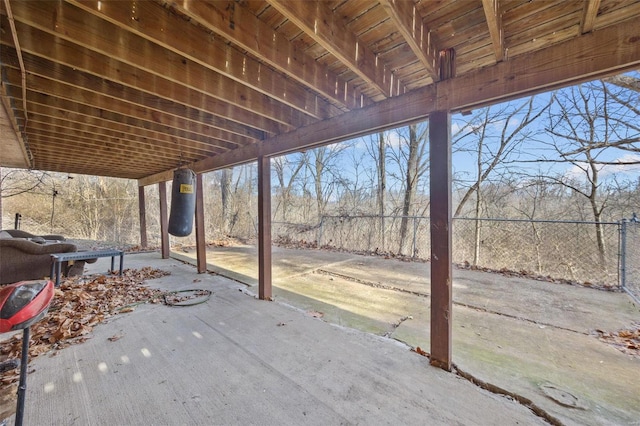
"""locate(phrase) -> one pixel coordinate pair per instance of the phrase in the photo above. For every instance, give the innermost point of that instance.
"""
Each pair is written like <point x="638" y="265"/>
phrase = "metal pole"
<point x="22" y="387"/>
<point x="623" y="254"/>
<point x="415" y="232"/>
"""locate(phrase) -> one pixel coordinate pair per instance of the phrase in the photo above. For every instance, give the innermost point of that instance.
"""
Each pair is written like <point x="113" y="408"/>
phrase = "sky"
<point x="538" y="143"/>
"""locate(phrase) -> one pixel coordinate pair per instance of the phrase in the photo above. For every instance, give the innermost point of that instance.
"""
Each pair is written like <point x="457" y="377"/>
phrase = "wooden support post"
<point x="164" y="219"/>
<point x="264" y="228"/>
<point x="142" y="209"/>
<point x="201" y="251"/>
<point x="440" y="211"/>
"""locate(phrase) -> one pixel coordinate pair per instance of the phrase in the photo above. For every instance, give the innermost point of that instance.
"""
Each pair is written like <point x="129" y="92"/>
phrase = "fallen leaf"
<point x="420" y="351"/>
<point x="80" y="303"/>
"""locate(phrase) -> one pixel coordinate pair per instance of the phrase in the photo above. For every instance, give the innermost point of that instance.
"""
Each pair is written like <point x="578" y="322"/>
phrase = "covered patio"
<point x="137" y="90"/>
<point x="330" y="350"/>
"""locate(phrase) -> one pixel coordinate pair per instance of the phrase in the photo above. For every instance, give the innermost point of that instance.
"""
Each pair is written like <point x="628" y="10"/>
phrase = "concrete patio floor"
<point x="334" y="348"/>
<point x="533" y="339"/>
<point x="238" y="360"/>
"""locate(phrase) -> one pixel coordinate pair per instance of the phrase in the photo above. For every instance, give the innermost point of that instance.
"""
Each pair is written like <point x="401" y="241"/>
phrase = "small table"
<point x="58" y="258"/>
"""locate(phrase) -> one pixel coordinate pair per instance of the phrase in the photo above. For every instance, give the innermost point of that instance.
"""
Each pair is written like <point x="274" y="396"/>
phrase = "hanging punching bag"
<point x="183" y="202"/>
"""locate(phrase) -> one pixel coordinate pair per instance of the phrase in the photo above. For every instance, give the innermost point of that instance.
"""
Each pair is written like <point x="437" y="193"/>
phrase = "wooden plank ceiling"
<point x="134" y="89"/>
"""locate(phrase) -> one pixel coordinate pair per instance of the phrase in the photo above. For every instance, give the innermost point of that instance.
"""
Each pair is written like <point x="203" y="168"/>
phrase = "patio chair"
<point x="22" y="259"/>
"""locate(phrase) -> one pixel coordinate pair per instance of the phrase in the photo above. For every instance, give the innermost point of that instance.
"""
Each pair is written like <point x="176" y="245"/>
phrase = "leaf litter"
<point x="626" y="340"/>
<point x="78" y="305"/>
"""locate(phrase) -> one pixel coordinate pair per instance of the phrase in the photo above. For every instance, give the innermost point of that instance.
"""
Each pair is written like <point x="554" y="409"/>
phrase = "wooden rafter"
<point x="322" y="25"/>
<point x="494" y="21"/>
<point x="417" y="35"/>
<point x="215" y="83"/>
<point x="232" y="21"/>
<point x="571" y="62"/>
<point x="158" y="25"/>
<point x="114" y="98"/>
<point x="42" y="50"/>
<point x="589" y="14"/>
<point x="104" y="38"/>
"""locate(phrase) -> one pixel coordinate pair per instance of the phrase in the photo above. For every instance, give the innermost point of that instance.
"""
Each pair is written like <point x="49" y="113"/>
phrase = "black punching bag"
<point x="183" y="202"/>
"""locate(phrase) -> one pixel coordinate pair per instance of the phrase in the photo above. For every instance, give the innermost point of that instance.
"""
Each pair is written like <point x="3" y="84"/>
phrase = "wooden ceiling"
<point x="134" y="89"/>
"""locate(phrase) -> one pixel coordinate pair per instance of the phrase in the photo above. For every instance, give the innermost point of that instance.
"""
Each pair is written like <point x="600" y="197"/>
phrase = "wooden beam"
<point x="164" y="220"/>
<point x="232" y="21"/>
<point x="98" y="35"/>
<point x="407" y="19"/>
<point x="80" y="85"/>
<point x="116" y="119"/>
<point x="322" y="25"/>
<point x="54" y="114"/>
<point x="493" y="13"/>
<point x="201" y="248"/>
<point x="142" y="210"/>
<point x="163" y="27"/>
<point x="15" y="152"/>
<point x="114" y="157"/>
<point x="225" y="133"/>
<point x="589" y="14"/>
<point x="75" y="130"/>
<point x="42" y="46"/>
<point x="597" y="54"/>
<point x="264" y="228"/>
<point x="440" y="213"/>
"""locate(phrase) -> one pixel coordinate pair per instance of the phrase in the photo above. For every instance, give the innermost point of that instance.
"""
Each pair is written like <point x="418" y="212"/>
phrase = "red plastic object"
<point x="23" y="303"/>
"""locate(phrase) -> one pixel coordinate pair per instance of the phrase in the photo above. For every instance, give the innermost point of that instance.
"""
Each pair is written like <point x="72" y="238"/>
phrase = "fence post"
<point x="623" y="254"/>
<point x="415" y="233"/>
<point x="320" y="231"/>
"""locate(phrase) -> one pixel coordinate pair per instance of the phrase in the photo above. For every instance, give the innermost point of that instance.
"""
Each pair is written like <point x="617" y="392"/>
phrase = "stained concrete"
<point x="238" y="360"/>
<point x="534" y="339"/>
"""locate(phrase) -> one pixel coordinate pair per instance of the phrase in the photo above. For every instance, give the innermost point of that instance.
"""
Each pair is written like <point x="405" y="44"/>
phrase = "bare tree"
<point x="377" y="148"/>
<point x="18" y="181"/>
<point x="287" y="168"/>
<point x="410" y="156"/>
<point x="322" y="165"/>
<point x="592" y="127"/>
<point x="14" y="182"/>
<point x="225" y="195"/>
<point x="494" y="136"/>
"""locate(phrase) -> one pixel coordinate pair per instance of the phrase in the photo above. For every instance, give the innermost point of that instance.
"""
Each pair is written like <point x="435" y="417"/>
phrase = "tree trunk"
<point x="410" y="185"/>
<point x="319" y="168"/>
<point x="382" y="186"/>
<point x="225" y="189"/>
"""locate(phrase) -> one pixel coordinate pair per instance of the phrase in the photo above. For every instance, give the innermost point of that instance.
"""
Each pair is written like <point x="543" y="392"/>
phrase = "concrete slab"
<point x="531" y="338"/>
<point x="238" y="360"/>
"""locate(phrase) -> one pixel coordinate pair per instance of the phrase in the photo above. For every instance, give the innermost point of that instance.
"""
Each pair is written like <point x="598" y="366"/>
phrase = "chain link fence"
<point x="630" y="257"/>
<point x="586" y="252"/>
<point x="605" y="254"/>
